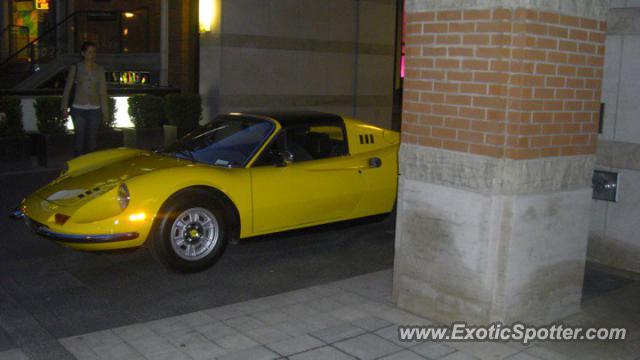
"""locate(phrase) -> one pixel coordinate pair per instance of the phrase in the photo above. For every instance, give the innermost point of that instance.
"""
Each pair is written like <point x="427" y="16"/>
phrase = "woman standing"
<point x="89" y="101"/>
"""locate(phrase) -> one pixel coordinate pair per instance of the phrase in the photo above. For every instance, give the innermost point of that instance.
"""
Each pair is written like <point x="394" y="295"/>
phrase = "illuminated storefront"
<point x="128" y="78"/>
<point x="140" y="43"/>
<point x="25" y="21"/>
<point x="35" y="15"/>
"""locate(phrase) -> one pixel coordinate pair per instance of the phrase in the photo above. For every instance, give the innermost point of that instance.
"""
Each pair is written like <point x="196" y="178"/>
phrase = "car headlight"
<point x="123" y="196"/>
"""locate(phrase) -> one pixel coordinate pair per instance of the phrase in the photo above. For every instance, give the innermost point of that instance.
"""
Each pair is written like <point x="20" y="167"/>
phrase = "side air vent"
<point x="366" y="139"/>
<point x="89" y="192"/>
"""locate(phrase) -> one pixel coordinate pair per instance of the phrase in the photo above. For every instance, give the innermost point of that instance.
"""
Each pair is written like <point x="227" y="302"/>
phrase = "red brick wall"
<point x="519" y="84"/>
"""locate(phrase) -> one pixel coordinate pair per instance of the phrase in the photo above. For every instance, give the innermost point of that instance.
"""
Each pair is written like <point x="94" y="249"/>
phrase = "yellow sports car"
<point x="241" y="175"/>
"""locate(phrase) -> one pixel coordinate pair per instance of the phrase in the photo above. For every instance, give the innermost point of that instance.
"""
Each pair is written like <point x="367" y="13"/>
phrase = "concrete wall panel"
<point x="525" y="221"/>
<point x="614" y="238"/>
<point x="618" y="244"/>
<point x="284" y="16"/>
<point x="375" y="75"/>
<point x="598" y="216"/>
<point x="270" y="72"/>
<point x="545" y="268"/>
<point x="340" y="72"/>
<point x="312" y="19"/>
<point x="441" y="251"/>
<point x="628" y="122"/>
<point x="624" y="21"/>
<point x="622" y="221"/>
<point x="327" y="20"/>
<point x="522" y="254"/>
<point x="377" y="22"/>
<point x="306" y="54"/>
<point x="617" y="3"/>
<point x="376" y="115"/>
<point x="311" y="63"/>
<point x="584" y="8"/>
<point x="244" y="72"/>
<point x="246" y="17"/>
<point x="610" y="82"/>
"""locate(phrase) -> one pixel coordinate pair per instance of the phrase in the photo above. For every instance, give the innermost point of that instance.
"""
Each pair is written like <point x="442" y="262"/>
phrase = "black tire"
<point x="165" y="250"/>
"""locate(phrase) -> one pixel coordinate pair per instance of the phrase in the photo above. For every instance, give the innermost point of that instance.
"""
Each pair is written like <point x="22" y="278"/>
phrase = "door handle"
<point x="375" y="162"/>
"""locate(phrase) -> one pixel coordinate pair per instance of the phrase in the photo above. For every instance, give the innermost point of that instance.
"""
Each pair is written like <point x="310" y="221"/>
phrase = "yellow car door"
<point x="314" y="188"/>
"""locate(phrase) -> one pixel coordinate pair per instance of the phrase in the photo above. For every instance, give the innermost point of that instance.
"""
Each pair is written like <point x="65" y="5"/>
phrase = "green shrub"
<point x="110" y="122"/>
<point x="146" y="111"/>
<point x="11" y="126"/>
<point x="183" y="110"/>
<point x="49" y="115"/>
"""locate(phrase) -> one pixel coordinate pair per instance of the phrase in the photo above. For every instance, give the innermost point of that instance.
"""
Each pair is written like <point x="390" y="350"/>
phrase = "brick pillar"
<point x="500" y="121"/>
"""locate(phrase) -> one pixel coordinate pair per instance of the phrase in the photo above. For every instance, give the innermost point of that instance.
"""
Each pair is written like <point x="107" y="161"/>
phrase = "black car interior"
<point x="304" y="145"/>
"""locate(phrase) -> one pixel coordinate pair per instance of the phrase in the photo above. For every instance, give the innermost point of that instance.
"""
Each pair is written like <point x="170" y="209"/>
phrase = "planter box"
<point x="146" y="139"/>
<point x="14" y="148"/>
<point x="110" y="139"/>
<point x="15" y="154"/>
<point x="173" y="133"/>
<point x="52" y="150"/>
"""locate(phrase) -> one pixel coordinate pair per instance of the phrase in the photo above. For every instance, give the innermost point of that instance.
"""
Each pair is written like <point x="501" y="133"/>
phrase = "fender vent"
<point x="366" y="139"/>
<point x="89" y="192"/>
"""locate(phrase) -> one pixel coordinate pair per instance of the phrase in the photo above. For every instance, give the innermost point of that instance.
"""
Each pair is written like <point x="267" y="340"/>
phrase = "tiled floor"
<point x="348" y="319"/>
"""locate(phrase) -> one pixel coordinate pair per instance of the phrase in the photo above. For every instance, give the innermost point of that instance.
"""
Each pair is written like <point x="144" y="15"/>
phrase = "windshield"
<point x="229" y="141"/>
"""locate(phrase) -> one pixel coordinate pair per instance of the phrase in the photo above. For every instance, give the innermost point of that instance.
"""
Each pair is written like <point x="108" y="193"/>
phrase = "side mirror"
<point x="286" y="157"/>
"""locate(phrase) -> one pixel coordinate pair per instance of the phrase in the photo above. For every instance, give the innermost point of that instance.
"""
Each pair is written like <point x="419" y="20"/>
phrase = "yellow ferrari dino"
<point x="241" y="175"/>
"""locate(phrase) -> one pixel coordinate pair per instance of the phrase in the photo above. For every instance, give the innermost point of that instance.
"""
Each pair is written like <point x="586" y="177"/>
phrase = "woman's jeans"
<point x="85" y="125"/>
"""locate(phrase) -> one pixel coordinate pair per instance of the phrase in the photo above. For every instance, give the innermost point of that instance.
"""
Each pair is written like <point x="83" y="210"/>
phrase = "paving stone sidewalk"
<point x="348" y="319"/>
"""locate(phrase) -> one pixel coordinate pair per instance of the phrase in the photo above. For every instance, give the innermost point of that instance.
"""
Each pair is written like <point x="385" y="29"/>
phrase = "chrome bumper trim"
<point x="43" y="230"/>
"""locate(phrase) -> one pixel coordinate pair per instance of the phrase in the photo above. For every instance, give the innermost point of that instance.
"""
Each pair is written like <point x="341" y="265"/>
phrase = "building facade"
<point x="141" y="42"/>
<point x="614" y="234"/>
<point x="502" y="124"/>
<point x="334" y="55"/>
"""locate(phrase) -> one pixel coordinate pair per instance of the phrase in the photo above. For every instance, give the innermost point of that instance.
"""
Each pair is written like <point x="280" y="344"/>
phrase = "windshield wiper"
<point x="186" y="153"/>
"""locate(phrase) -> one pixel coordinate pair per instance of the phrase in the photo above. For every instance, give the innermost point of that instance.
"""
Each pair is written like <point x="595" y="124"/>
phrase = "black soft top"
<point x="288" y="118"/>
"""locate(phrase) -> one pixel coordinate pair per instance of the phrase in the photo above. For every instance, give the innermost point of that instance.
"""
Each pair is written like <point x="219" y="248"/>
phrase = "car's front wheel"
<point x="192" y="231"/>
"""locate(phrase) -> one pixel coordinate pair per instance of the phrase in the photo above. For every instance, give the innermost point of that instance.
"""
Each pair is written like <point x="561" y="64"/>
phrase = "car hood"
<point x="74" y="188"/>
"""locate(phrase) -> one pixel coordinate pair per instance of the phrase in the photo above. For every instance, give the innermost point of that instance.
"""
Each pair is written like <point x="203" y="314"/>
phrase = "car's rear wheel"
<point x="192" y="231"/>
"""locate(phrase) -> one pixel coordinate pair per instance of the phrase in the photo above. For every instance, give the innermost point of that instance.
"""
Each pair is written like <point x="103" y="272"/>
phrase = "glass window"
<point x="135" y="30"/>
<point x="306" y="143"/>
<point x="229" y="141"/>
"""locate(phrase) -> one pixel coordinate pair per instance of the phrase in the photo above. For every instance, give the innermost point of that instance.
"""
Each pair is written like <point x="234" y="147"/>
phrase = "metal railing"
<point x="110" y="30"/>
<point x="12" y="37"/>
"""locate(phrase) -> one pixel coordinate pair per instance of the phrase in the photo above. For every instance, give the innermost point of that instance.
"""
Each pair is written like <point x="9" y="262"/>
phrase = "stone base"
<point x="481" y="250"/>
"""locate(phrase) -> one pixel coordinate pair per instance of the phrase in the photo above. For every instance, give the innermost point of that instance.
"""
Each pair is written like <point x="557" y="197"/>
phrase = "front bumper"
<point x="44" y="231"/>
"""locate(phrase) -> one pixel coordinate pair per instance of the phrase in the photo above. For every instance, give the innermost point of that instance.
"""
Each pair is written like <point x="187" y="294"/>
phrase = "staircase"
<point x="36" y="63"/>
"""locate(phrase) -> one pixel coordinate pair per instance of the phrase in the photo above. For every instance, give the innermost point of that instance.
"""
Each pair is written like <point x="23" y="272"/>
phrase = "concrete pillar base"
<point x="483" y="239"/>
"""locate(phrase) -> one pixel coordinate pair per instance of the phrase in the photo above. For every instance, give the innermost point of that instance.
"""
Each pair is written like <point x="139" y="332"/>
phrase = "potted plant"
<point x="52" y="144"/>
<point x="108" y="136"/>
<point x="147" y="115"/>
<point x="183" y="113"/>
<point x="14" y="143"/>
